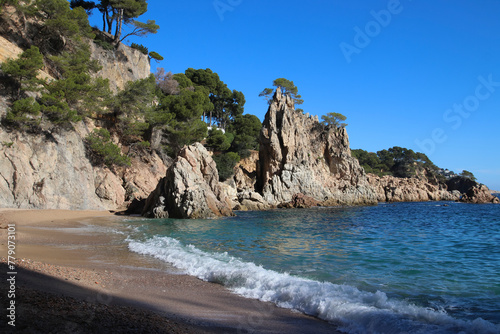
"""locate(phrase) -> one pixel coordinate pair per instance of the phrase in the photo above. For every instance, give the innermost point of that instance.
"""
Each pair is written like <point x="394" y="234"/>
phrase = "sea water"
<point x="429" y="267"/>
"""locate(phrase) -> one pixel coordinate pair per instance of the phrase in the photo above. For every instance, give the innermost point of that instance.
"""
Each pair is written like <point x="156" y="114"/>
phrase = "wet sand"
<point x="71" y="279"/>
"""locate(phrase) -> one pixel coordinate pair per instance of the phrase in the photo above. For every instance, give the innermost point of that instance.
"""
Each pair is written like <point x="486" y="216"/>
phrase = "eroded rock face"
<point x="479" y="194"/>
<point x="52" y="171"/>
<point x="299" y="155"/>
<point x="120" y="66"/>
<point x="394" y="189"/>
<point x="191" y="188"/>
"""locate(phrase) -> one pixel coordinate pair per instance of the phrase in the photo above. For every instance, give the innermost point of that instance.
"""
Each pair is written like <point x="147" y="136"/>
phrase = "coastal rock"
<point x="251" y="201"/>
<point x="47" y="171"/>
<point x="191" y="188"/>
<point x="52" y="171"/>
<point x="394" y="189"/>
<point x="300" y="201"/>
<point x="245" y="172"/>
<point x="479" y="194"/>
<point x="299" y="155"/>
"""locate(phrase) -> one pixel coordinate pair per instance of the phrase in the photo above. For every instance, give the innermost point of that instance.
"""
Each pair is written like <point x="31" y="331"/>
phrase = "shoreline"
<point x="58" y="259"/>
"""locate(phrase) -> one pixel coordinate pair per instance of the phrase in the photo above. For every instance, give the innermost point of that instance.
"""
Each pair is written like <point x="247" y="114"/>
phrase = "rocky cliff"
<point x="299" y="155"/>
<point x="121" y="65"/>
<point x="52" y="171"/>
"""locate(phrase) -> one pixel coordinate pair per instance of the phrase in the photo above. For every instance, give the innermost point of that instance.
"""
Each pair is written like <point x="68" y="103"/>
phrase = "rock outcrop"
<point x="52" y="171"/>
<point x="300" y="201"/>
<point x="300" y="155"/>
<point x="191" y="188"/>
<point x="479" y="194"/>
<point x="121" y="65"/>
<point x="395" y="189"/>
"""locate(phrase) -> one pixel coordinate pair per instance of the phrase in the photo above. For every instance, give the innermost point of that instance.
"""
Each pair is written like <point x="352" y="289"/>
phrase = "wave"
<point x="356" y="311"/>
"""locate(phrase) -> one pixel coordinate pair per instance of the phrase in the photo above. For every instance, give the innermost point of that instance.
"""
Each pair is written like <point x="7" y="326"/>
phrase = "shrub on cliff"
<point x="103" y="150"/>
<point x="23" y="71"/>
<point x="24" y="114"/>
<point x="218" y="141"/>
<point x="132" y="108"/>
<point x="225" y="164"/>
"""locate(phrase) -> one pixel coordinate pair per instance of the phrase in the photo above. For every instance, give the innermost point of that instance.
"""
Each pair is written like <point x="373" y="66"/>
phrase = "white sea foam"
<point x="355" y="310"/>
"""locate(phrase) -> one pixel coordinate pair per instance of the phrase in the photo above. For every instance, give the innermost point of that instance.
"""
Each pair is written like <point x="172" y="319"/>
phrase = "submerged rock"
<point x="191" y="188"/>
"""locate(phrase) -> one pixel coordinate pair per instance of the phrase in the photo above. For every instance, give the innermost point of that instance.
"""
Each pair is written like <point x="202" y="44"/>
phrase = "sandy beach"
<point x="67" y="279"/>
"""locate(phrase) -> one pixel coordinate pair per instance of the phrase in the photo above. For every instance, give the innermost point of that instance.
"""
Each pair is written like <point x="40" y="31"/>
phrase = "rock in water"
<point x="300" y="155"/>
<point x="191" y="188"/>
<point x="479" y="194"/>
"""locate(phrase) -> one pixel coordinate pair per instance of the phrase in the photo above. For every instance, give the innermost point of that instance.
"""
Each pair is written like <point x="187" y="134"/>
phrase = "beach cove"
<point x="70" y="279"/>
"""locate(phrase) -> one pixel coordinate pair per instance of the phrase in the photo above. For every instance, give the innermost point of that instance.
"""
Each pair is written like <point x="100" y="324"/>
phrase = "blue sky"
<point x="418" y="74"/>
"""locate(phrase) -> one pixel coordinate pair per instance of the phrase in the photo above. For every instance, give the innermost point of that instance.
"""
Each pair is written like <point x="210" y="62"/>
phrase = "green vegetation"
<point x="116" y="13"/>
<point x="396" y="161"/>
<point x="334" y="119"/>
<point x="154" y="55"/>
<point x="177" y="108"/>
<point x="103" y="150"/>
<point x="246" y="130"/>
<point x="23" y="71"/>
<point x="225" y="164"/>
<point x="467" y="174"/>
<point x="286" y="86"/>
<point x="140" y="47"/>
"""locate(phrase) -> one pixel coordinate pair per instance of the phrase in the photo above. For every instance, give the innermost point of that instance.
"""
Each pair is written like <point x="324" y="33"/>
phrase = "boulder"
<point x="251" y="201"/>
<point x="190" y="189"/>
<point x="300" y="201"/>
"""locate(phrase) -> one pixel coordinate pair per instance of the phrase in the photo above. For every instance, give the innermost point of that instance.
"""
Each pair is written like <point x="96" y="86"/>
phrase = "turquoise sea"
<point x="429" y="267"/>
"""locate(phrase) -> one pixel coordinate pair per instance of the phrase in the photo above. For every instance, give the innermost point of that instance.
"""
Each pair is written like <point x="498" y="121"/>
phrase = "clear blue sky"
<point x="418" y="74"/>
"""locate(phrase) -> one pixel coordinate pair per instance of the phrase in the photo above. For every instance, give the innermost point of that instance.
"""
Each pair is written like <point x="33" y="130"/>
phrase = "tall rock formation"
<point x="300" y="155"/>
<point x="191" y="188"/>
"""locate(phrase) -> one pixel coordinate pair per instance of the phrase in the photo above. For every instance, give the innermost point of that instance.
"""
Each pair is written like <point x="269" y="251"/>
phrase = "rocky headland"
<point x="300" y="162"/>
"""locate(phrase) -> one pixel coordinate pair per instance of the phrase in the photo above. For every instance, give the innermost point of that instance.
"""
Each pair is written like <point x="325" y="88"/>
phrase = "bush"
<point x="218" y="141"/>
<point x="103" y="44"/>
<point x="24" y="114"/>
<point x="103" y="150"/>
<point x="225" y="164"/>
<point x="140" y="47"/>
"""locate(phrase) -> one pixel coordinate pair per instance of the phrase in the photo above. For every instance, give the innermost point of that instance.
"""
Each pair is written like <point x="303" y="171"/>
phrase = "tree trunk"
<point x="119" y="24"/>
